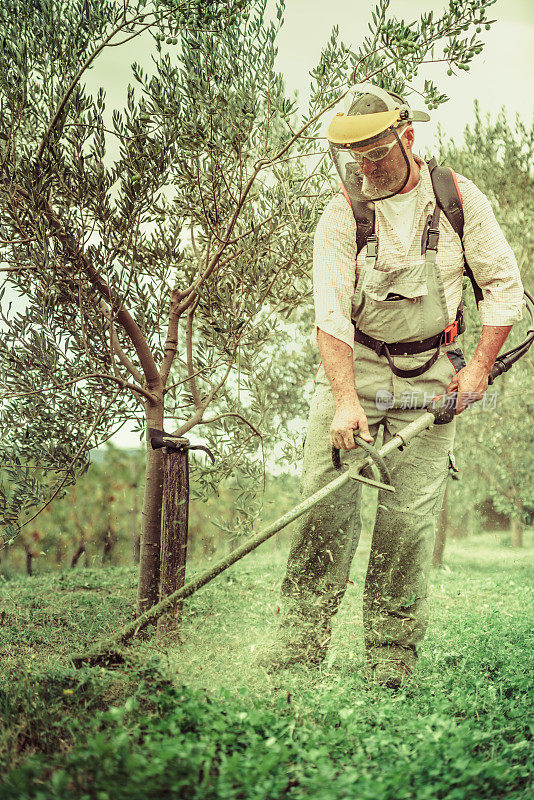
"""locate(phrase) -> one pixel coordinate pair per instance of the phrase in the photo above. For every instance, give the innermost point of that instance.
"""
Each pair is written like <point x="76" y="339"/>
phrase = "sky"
<point x="501" y="75"/>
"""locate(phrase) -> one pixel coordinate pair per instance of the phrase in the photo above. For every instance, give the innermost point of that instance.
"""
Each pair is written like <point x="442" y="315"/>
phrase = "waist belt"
<point x="389" y="349"/>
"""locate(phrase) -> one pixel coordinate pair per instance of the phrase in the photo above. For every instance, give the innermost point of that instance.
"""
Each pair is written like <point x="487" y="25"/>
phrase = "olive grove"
<point x="157" y="288"/>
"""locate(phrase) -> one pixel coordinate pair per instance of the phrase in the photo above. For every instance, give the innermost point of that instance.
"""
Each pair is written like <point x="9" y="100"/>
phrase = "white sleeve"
<point x="334" y="271"/>
<point x="491" y="259"/>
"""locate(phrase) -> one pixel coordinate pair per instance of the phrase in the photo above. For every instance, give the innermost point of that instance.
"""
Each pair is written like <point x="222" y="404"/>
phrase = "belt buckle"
<point x="451" y="332"/>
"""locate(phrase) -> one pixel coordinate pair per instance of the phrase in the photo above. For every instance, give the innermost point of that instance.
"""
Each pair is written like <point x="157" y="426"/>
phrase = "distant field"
<point x="202" y="721"/>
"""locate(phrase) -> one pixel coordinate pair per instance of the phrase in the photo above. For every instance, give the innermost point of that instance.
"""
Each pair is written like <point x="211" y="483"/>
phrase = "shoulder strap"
<point x="448" y="195"/>
<point x="449" y="199"/>
<point x="364" y="216"/>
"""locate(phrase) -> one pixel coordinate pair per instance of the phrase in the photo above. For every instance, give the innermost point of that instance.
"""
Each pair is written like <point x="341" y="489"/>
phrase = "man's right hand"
<point x="348" y="419"/>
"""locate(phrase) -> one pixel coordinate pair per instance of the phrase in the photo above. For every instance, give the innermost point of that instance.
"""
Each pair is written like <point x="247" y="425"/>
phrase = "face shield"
<point x="366" y="143"/>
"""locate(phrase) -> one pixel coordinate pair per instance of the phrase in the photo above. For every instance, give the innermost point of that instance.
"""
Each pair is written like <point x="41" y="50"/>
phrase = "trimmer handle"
<point x="371" y="452"/>
<point x="446" y="411"/>
<point x="500" y="366"/>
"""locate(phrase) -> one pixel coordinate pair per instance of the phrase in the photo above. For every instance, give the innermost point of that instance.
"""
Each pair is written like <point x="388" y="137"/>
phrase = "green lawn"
<point x="200" y="720"/>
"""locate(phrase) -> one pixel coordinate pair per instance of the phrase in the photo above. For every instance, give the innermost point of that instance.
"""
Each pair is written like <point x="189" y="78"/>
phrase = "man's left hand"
<point x="470" y="383"/>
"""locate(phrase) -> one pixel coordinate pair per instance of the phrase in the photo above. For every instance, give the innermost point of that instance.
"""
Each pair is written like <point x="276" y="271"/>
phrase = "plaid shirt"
<point x="488" y="254"/>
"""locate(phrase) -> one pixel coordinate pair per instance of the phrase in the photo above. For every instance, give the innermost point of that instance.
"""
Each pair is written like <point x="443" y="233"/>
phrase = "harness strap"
<point x="382" y="349"/>
<point x="372" y="251"/>
<point x="446" y="336"/>
<point x="411" y="373"/>
<point x="430" y="238"/>
<point x="364" y="215"/>
<point x="389" y="349"/>
<point x="450" y="200"/>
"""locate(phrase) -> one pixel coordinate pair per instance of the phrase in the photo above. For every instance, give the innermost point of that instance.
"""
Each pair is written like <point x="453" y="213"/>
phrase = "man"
<point x="408" y="295"/>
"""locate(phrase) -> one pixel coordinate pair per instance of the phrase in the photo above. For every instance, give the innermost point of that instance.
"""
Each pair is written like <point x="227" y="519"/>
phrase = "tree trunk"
<point x="79" y="552"/>
<point x="149" y="564"/>
<point x="137" y="548"/>
<point x="441" y="532"/>
<point x="516" y="531"/>
<point x="109" y="544"/>
<point x="29" y="560"/>
<point x="174" y="534"/>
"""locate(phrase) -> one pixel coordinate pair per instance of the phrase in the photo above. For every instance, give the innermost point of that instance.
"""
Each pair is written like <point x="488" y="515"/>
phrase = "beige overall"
<point x="324" y="543"/>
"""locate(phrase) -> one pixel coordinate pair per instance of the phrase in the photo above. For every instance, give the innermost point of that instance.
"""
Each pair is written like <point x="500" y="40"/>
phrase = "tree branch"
<point x="117" y="349"/>
<point x="189" y="351"/>
<point x="232" y="414"/>
<point x="84" y="67"/>
<point x="75" y="254"/>
<point x="184" y="380"/>
<point x="122" y="383"/>
<point x="199" y="413"/>
<point x="191" y="292"/>
<point x="171" y="342"/>
<point x="73" y="461"/>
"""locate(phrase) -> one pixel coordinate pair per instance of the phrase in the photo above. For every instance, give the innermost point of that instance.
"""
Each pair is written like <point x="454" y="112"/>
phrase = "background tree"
<point x="154" y="287"/>
<point x="495" y="438"/>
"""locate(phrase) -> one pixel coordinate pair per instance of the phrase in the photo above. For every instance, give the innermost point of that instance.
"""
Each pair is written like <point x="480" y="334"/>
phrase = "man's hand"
<point x="347" y="419"/>
<point x="470" y="382"/>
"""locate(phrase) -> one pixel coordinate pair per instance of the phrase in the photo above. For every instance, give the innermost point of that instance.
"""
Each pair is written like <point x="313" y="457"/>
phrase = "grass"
<point x="200" y="720"/>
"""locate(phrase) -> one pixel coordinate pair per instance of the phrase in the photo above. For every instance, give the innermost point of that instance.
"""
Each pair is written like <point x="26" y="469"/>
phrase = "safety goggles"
<point x="374" y="154"/>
